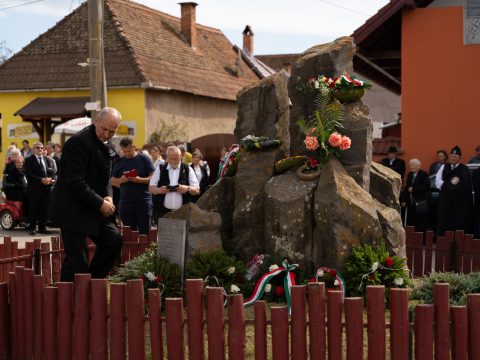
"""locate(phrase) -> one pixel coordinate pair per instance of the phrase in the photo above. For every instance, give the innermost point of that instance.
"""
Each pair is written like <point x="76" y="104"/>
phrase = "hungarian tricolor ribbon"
<point x="288" y="282"/>
<point x="338" y="278"/>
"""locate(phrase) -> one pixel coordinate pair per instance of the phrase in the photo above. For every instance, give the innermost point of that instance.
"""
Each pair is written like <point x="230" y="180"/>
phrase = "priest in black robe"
<point x="455" y="201"/>
<point x="392" y="162"/>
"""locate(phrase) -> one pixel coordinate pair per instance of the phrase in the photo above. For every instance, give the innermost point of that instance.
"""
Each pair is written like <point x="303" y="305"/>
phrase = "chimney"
<point x="188" y="28"/>
<point x="248" y="40"/>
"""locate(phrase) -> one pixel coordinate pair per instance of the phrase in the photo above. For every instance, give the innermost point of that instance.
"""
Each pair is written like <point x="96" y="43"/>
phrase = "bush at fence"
<point x="460" y="286"/>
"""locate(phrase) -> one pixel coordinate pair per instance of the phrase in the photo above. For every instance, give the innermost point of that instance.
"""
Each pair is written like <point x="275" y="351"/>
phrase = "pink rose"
<point x="311" y="143"/>
<point x="346" y="142"/>
<point x="335" y="139"/>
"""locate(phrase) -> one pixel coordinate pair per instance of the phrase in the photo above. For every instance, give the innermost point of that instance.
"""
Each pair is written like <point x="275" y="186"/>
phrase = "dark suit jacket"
<point x="35" y="173"/>
<point x="15" y="184"/>
<point x="83" y="182"/>
<point x="398" y="165"/>
<point x="420" y="187"/>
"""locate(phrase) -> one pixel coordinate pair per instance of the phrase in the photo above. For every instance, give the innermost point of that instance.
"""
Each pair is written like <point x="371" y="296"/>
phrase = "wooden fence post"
<point x="20" y="310"/>
<point x="98" y="327"/>
<point x="334" y="325"/>
<point x="399" y="324"/>
<point x="28" y="311"/>
<point x="65" y="320"/>
<point x="117" y="321"/>
<point x="236" y="328"/>
<point x="215" y="323"/>
<point x="316" y="317"/>
<point x="424" y="331"/>
<point x="376" y="322"/>
<point x="50" y="322"/>
<point x="299" y="322"/>
<point x="175" y="321"/>
<point x="4" y="323"/>
<point x="460" y="333"/>
<point x="155" y="315"/>
<point x="441" y="300"/>
<point x="136" y="320"/>
<point x="260" y="325"/>
<point x="194" y="290"/>
<point x="354" y="327"/>
<point x="81" y="322"/>
<point x="37" y="316"/>
<point x="473" y="306"/>
<point x="279" y="318"/>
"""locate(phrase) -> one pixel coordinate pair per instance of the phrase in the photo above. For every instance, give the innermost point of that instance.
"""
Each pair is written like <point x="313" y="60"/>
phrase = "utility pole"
<point x="98" y="88"/>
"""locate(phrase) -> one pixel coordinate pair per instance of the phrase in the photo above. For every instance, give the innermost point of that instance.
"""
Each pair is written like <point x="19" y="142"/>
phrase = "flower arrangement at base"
<point x="367" y="265"/>
<point x="345" y="88"/>
<point x="332" y="279"/>
<point x="322" y="129"/>
<point x="217" y="269"/>
<point x="155" y="272"/>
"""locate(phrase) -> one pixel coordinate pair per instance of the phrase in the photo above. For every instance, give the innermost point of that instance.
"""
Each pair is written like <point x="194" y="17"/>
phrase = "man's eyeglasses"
<point x="39" y="147"/>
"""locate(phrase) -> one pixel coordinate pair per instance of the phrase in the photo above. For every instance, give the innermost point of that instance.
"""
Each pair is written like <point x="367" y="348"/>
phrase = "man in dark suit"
<point x="83" y="204"/>
<point x="39" y="172"/>
<point x="393" y="163"/>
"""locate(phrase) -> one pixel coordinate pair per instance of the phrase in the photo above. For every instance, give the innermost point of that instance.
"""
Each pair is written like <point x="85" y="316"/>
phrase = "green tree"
<point x="168" y="132"/>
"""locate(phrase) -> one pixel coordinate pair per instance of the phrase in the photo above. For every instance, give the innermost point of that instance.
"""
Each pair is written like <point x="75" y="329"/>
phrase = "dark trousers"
<point x="137" y="220"/>
<point x="108" y="246"/>
<point x="158" y="213"/>
<point x="38" y="208"/>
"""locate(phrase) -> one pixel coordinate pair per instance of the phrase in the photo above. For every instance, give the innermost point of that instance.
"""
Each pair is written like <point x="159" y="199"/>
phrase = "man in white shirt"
<point x="172" y="184"/>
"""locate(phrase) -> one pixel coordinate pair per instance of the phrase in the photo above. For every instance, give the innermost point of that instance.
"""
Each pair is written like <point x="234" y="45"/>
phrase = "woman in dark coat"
<point x="415" y="196"/>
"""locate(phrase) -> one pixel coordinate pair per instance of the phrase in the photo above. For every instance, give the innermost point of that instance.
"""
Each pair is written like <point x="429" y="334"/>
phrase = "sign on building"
<point x="471" y="22"/>
<point x="21" y="131"/>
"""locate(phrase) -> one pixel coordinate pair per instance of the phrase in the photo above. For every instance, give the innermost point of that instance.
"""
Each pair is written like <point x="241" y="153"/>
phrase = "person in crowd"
<point x="15" y="183"/>
<point x="132" y="174"/>
<point x="441" y="159"/>
<point x="393" y="162"/>
<point x="186" y="156"/>
<point x="223" y="152"/>
<point x="201" y="173"/>
<point x="26" y="149"/>
<point x="57" y="150"/>
<point x="14" y="155"/>
<point x="414" y="196"/>
<point x="156" y="156"/>
<point x="172" y="184"/>
<point x="476" y="158"/>
<point x="455" y="201"/>
<point x="49" y="152"/>
<point x="39" y="171"/>
<point x="8" y="158"/>
<point x="83" y="204"/>
<point x="476" y="211"/>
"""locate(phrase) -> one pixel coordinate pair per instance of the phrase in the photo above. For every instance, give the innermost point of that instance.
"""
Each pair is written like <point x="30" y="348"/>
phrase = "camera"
<point x="172" y="187"/>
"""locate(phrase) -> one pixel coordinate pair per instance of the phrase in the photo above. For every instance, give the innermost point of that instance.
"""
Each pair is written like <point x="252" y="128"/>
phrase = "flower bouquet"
<point x="346" y="88"/>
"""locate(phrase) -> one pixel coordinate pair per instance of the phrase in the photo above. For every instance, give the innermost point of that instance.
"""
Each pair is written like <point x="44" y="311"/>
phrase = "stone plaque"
<point x="171" y="237"/>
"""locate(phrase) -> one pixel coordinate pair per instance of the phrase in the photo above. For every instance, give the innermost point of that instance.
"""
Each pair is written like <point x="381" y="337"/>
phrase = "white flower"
<point x="375" y="266"/>
<point x="336" y="283"/>
<point x="273" y="267"/>
<point x="398" y="281"/>
<point x="317" y="84"/>
<point x="320" y="273"/>
<point x="231" y="270"/>
<point x="268" y="288"/>
<point x="234" y="289"/>
<point x="150" y="276"/>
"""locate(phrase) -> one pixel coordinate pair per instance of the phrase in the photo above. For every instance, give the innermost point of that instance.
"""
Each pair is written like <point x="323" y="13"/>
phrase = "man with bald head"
<point x="83" y="204"/>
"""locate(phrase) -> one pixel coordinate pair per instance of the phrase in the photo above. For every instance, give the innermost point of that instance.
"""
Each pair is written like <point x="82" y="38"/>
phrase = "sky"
<point x="280" y="26"/>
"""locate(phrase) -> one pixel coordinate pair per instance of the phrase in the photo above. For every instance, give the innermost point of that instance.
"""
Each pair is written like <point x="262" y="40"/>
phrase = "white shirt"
<point x="174" y="200"/>
<point x="198" y="173"/>
<point x="438" y="178"/>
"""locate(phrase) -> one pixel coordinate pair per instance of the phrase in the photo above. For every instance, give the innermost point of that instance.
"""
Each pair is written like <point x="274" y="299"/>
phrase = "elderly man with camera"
<point x="172" y="184"/>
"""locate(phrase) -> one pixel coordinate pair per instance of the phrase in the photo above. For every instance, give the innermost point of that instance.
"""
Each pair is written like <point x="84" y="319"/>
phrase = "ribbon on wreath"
<point x="288" y="282"/>
<point x="338" y="278"/>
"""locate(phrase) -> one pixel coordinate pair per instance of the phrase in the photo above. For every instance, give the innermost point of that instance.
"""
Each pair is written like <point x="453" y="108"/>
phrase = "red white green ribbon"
<point x="338" y="278"/>
<point x="288" y="282"/>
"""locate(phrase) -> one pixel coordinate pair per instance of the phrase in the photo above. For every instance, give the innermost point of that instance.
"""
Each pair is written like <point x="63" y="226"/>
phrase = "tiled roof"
<point x="51" y="107"/>
<point x="278" y="61"/>
<point x="381" y="145"/>
<point x="143" y="47"/>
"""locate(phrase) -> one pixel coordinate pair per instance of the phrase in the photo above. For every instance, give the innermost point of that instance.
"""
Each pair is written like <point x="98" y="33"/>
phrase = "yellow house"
<point x="160" y="70"/>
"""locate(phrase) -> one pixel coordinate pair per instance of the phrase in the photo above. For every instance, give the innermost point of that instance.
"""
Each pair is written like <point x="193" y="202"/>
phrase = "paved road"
<point x="21" y="235"/>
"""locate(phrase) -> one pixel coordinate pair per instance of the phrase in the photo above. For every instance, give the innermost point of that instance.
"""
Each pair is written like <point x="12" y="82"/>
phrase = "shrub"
<point x="460" y="286"/>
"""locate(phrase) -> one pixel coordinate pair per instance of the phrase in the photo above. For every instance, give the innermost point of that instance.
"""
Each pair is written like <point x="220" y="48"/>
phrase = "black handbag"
<point x="421" y="207"/>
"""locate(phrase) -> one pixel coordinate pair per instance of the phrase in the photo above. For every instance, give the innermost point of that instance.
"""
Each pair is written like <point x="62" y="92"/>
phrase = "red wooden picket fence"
<point x="456" y="251"/>
<point x="51" y="254"/>
<point x="80" y="321"/>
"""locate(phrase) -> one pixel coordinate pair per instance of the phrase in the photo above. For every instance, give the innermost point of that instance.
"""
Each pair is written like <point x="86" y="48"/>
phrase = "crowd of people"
<point x="446" y="198"/>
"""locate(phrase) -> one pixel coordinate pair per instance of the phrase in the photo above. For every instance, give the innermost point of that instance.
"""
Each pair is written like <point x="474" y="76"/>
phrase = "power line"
<point x="21" y="4"/>
<point x="344" y="8"/>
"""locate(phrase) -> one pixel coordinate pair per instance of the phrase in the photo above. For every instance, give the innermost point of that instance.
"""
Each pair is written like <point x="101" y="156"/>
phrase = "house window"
<point x="471" y="22"/>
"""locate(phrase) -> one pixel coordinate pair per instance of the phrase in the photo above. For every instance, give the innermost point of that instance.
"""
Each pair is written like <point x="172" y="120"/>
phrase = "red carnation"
<point x="279" y="291"/>
<point x="332" y="272"/>
<point x="371" y="277"/>
<point x="312" y="280"/>
<point x="158" y="279"/>
<point x="389" y="261"/>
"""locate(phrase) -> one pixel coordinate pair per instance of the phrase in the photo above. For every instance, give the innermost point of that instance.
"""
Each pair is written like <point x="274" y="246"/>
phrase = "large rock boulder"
<point x="345" y="216"/>
<point x="385" y="185"/>
<point x="358" y="126"/>
<point x="203" y="228"/>
<point x="392" y="229"/>
<point x="328" y="59"/>
<point x="288" y="217"/>
<point x="263" y="110"/>
<point x="255" y="168"/>
<point x="220" y="199"/>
